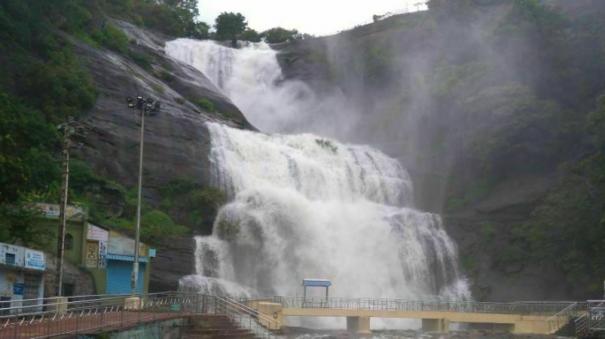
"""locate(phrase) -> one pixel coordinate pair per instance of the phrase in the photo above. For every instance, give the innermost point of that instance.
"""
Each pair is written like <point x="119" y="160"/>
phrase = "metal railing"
<point x="563" y="317"/>
<point x="50" y="317"/>
<point x="596" y="316"/>
<point x="248" y="318"/>
<point x="522" y="308"/>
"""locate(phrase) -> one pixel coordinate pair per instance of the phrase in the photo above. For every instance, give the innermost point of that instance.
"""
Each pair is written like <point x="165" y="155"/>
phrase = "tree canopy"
<point x="230" y="26"/>
<point x="279" y="34"/>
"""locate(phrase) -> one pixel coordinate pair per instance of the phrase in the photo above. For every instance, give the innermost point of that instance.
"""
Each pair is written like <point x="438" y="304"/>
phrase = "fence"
<point x="93" y="314"/>
<point x="525" y="308"/>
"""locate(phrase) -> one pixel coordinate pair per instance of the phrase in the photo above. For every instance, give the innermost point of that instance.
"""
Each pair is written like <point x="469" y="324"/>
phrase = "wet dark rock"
<point x="174" y="260"/>
<point x="176" y="139"/>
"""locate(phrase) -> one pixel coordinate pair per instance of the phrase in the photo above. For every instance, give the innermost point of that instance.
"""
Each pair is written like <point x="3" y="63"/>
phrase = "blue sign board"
<point x="18" y="288"/>
<point x="317" y="283"/>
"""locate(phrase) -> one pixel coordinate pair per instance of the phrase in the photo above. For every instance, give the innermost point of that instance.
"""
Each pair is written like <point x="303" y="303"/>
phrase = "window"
<point x="10" y="258"/>
<point x="69" y="242"/>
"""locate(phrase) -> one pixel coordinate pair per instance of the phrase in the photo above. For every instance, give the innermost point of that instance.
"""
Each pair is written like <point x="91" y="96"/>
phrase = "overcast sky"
<point x="317" y="17"/>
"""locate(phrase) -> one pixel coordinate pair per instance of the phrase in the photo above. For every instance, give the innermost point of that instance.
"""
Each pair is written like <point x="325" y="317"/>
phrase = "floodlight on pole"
<point x="145" y="107"/>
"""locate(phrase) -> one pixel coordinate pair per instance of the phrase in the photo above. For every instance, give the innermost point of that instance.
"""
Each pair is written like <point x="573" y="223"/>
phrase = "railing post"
<point x="77" y="323"/>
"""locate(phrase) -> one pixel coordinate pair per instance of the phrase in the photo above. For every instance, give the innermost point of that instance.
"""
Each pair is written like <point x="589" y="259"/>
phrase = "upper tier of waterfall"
<point x="252" y="78"/>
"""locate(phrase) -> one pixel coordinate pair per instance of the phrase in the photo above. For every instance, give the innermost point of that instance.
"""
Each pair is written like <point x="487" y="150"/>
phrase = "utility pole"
<point x="68" y="130"/>
<point x="151" y="107"/>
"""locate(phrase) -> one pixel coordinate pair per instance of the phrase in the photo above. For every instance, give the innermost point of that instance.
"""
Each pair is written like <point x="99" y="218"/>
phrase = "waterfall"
<point x="253" y="79"/>
<point x="304" y="206"/>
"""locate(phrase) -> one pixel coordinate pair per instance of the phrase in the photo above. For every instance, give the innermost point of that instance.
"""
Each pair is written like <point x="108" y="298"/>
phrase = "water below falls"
<point x="303" y="206"/>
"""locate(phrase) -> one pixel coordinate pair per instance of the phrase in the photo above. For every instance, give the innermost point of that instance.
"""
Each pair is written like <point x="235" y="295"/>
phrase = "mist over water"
<point x="302" y="206"/>
<point x="253" y="79"/>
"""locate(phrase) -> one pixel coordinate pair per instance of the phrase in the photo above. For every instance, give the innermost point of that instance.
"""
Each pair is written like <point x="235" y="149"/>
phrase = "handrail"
<point x="555" y="322"/>
<point x="252" y="311"/>
<point x="564" y="311"/>
<point x="524" y="307"/>
<point x="248" y="310"/>
<point x="50" y="307"/>
<point x="84" y="316"/>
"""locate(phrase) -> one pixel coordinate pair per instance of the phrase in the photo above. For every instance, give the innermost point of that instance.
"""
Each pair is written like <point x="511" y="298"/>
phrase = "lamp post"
<point x="69" y="128"/>
<point x="151" y="107"/>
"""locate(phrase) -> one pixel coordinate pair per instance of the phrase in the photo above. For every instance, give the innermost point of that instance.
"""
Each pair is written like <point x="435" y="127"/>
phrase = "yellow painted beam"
<point x="535" y="324"/>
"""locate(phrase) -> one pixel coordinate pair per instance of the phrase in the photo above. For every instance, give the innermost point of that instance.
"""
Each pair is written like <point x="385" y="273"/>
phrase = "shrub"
<point x="205" y="104"/>
<point x="112" y="38"/>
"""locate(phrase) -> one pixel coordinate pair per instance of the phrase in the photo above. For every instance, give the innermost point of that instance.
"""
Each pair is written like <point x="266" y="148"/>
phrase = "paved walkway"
<point x="86" y="324"/>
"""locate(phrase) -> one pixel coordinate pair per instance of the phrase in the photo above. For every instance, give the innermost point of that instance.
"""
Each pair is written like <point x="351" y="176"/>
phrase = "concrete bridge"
<point x="436" y="316"/>
<point x="262" y="318"/>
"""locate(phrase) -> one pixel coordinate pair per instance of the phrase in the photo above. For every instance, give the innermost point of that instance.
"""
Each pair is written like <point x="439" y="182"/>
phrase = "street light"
<point x="69" y="128"/>
<point x="146" y="107"/>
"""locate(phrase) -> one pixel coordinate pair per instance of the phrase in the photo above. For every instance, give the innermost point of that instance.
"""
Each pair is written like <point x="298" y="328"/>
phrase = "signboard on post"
<point x="52" y="211"/>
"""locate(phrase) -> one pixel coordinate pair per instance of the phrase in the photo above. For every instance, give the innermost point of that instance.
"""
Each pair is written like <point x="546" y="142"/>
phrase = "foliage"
<point x="251" y="35"/>
<point x="26" y="145"/>
<point x="141" y="59"/>
<point x="570" y="224"/>
<point x="112" y="38"/>
<point x="201" y="31"/>
<point x="205" y="104"/>
<point x="176" y="18"/>
<point x="230" y="26"/>
<point x="17" y="224"/>
<point x="279" y="34"/>
<point x="192" y="204"/>
<point x="157" y="225"/>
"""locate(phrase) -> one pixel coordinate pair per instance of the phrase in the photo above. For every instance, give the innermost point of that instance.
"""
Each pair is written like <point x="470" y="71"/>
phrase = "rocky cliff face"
<point x="176" y="139"/>
<point x="471" y="98"/>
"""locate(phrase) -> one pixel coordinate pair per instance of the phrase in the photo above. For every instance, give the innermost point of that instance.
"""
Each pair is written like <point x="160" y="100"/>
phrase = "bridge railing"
<point x="596" y="316"/>
<point x="525" y="307"/>
<point x="49" y="317"/>
<point x="246" y="317"/>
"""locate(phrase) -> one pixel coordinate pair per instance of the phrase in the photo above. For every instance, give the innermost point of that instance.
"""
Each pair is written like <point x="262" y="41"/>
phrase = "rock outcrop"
<point x="176" y="139"/>
<point x="439" y="89"/>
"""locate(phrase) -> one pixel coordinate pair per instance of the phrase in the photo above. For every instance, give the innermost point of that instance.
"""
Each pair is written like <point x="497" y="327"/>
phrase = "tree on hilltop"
<point x="230" y="26"/>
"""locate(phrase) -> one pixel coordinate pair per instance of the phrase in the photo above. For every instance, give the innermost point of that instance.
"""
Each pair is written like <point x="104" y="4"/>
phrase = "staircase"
<point x="216" y="326"/>
<point x="582" y="327"/>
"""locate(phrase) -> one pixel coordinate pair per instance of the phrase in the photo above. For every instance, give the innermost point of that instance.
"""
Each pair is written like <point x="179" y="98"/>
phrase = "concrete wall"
<point x="92" y="278"/>
<point x="21" y="274"/>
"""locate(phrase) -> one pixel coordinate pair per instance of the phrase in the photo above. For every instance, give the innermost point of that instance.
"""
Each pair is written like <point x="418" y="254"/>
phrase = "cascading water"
<point x="304" y="206"/>
<point x="253" y="79"/>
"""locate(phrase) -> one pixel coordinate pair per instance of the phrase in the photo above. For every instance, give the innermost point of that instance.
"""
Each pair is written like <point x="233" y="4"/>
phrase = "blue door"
<point x="118" y="277"/>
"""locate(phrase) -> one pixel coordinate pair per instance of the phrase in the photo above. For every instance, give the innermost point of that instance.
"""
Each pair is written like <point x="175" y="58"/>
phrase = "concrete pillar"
<point x="359" y="325"/>
<point x="132" y="303"/>
<point x="273" y="313"/>
<point x="435" y="325"/>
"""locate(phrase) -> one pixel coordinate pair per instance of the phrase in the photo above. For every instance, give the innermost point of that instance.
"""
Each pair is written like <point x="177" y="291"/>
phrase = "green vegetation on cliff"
<point x="43" y="82"/>
<point x="494" y="107"/>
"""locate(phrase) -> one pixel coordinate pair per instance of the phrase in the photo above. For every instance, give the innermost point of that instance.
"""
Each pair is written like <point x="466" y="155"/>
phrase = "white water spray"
<point x="304" y="206"/>
<point x="252" y="78"/>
